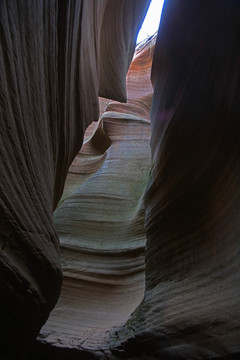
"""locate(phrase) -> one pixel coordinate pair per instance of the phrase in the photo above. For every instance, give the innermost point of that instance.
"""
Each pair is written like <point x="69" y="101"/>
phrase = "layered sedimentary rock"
<point x="100" y="223"/>
<point x="55" y="57"/>
<point x="191" y="304"/>
<point x="53" y="62"/>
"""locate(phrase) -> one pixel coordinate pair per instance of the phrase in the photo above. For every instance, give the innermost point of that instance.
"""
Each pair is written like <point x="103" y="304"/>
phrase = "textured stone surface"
<point x="53" y="58"/>
<point x="191" y="304"/>
<point x="48" y="96"/>
<point x="101" y="224"/>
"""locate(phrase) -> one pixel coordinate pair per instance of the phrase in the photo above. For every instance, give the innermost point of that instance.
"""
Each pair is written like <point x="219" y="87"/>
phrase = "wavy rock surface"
<point x="191" y="304"/>
<point x="101" y="225"/>
<point x="190" y="308"/>
<point x="54" y="58"/>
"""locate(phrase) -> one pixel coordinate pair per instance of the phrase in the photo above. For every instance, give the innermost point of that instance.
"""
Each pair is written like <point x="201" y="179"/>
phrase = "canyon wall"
<point x="100" y="223"/>
<point x="56" y="57"/>
<point x="191" y="304"/>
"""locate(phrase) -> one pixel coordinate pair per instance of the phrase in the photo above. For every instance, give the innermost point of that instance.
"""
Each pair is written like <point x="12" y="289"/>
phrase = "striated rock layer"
<point x="56" y="57"/>
<point x="100" y="223"/>
<point x="191" y="304"/>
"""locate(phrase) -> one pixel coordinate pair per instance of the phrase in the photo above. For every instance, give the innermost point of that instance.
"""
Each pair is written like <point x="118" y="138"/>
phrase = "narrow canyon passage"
<point x="138" y="256"/>
<point x="100" y="221"/>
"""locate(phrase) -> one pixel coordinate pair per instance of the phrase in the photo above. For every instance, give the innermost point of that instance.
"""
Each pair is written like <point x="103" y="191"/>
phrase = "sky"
<point x="151" y="22"/>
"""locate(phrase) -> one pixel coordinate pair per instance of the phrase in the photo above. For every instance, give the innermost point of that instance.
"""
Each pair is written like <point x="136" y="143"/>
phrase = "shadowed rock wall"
<point x="191" y="304"/>
<point x="54" y="56"/>
<point x="100" y="223"/>
<point x="190" y="308"/>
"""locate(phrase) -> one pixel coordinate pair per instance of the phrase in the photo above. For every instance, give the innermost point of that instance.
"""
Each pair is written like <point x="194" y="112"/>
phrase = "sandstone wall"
<point x="56" y="57"/>
<point x="191" y="304"/>
<point x="100" y="223"/>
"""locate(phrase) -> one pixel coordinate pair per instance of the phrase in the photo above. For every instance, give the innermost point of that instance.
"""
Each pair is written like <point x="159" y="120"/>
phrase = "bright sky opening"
<point x="151" y="21"/>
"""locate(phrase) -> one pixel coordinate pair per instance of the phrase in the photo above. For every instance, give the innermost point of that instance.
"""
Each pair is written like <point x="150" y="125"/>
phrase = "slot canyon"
<point x="119" y="193"/>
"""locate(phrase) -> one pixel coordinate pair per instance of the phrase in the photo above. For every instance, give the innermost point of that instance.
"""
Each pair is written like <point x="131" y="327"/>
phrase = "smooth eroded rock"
<point x="191" y="304"/>
<point x="50" y="64"/>
<point x="100" y="223"/>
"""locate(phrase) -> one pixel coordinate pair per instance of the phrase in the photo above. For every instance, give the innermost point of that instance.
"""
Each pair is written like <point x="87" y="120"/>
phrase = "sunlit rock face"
<point x="56" y="57"/>
<point x="191" y="304"/>
<point x="100" y="223"/>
